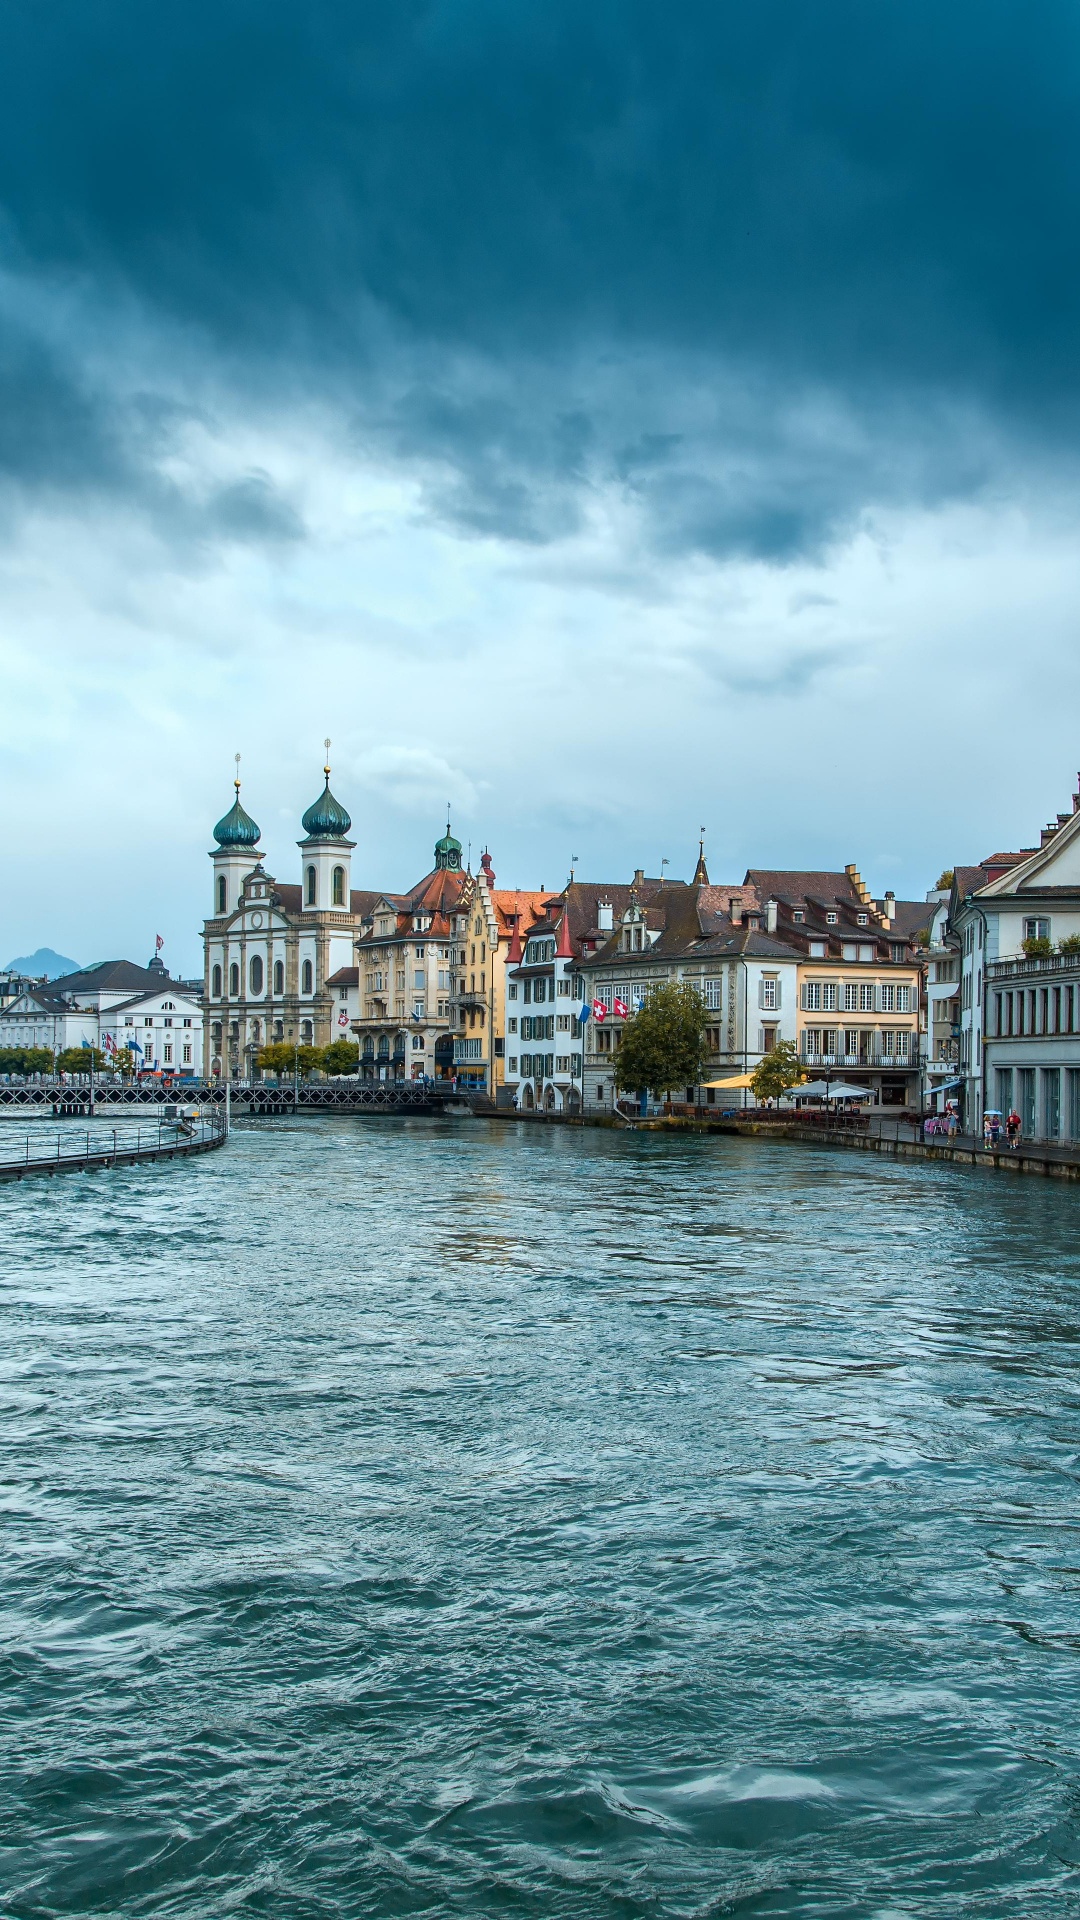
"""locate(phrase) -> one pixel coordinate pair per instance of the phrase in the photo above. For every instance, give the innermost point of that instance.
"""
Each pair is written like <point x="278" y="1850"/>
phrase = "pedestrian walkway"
<point x="84" y="1149"/>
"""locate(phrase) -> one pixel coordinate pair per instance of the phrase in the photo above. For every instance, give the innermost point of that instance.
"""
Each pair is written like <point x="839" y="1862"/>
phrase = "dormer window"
<point x="862" y="919"/>
<point x="798" y="916"/>
<point x="831" y="919"/>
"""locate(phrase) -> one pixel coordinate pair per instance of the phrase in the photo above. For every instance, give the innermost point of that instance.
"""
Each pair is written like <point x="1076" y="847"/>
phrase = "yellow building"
<point x="487" y="931"/>
<point x="858" y="977"/>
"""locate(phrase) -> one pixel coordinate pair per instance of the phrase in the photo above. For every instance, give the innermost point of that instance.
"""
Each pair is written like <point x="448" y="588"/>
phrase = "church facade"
<point x="270" y="948"/>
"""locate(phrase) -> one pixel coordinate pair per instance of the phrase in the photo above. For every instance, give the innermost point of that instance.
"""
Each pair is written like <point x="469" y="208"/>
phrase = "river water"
<point x="434" y="1518"/>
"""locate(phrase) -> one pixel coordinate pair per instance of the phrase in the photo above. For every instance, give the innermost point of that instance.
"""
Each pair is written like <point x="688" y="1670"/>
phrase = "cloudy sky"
<point x="608" y="419"/>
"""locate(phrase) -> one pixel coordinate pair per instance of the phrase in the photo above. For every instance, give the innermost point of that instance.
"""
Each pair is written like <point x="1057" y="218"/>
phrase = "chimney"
<point x="770" y="916"/>
<point x="639" y="877"/>
<point x="603" y="916"/>
<point x="1048" y="833"/>
<point x="890" y="906"/>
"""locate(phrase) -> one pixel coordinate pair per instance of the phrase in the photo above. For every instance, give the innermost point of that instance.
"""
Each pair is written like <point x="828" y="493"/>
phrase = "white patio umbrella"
<point x="830" y="1090"/>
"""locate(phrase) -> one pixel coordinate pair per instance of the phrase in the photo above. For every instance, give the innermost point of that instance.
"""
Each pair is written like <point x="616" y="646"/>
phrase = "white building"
<point x="1016" y="922"/>
<point x="117" y="1003"/>
<point x="271" y="949"/>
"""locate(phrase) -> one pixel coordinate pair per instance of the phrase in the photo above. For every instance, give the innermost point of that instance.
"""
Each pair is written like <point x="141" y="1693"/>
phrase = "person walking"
<point x="988" y="1132"/>
<point x="1012" y="1128"/>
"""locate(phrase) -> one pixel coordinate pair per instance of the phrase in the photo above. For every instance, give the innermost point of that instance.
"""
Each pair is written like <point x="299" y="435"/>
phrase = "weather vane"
<point x="326" y="769"/>
<point x="236" y="782"/>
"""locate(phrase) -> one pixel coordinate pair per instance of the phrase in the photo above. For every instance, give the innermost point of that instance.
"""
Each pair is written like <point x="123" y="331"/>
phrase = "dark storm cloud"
<point x="515" y="242"/>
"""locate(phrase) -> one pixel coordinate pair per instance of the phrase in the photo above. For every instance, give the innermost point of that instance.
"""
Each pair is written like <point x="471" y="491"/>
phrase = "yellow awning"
<point x="736" y="1080"/>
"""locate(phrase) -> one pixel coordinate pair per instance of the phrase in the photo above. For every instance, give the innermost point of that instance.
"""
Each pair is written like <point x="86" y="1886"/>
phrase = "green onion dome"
<point x="237" y="829"/>
<point x="448" y="852"/>
<point x="327" y="818"/>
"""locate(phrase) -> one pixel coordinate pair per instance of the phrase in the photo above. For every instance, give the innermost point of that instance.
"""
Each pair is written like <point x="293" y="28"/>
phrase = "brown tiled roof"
<point x="794" y="885"/>
<point x="344" y="977"/>
<point x="509" y="902"/>
<point x="910" y="917"/>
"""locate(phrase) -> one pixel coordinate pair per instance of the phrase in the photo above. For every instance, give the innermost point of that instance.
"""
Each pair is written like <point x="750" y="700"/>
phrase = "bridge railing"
<point x="344" y="1093"/>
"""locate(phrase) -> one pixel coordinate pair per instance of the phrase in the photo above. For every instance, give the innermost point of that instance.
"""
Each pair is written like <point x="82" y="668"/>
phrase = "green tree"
<point x="945" y="879"/>
<point x="1037" y="947"/>
<point x="25" y="1060"/>
<point x="283" y="1059"/>
<point x="778" y="1072"/>
<point x="80" y="1060"/>
<point x="123" y="1062"/>
<point x="1070" y="944"/>
<point x="663" y="1046"/>
<point x="341" y="1056"/>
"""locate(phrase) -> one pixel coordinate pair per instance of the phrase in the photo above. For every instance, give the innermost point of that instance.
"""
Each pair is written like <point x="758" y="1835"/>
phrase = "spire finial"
<point x="236" y="782"/>
<point x="326" y="768"/>
<point x="701" y="871"/>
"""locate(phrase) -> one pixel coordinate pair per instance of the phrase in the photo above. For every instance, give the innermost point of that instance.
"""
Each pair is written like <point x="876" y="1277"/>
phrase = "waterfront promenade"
<point x="66" y="1149"/>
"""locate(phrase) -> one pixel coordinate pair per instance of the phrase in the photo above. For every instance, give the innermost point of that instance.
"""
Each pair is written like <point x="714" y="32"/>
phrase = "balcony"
<point x="469" y="1000"/>
<point x="861" y="1062"/>
<point x="1021" y="968"/>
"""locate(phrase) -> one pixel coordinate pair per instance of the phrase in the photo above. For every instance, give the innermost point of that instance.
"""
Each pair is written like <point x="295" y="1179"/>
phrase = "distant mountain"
<point x="43" y="962"/>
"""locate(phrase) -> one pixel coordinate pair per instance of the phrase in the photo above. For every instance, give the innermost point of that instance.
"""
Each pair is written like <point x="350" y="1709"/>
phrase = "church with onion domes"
<point x="271" y="948"/>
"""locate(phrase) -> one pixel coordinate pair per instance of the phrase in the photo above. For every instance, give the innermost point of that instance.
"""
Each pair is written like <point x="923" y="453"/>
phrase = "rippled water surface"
<point x="435" y="1518"/>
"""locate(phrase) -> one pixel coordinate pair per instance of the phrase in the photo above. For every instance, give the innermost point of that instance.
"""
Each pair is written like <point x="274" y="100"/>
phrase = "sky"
<point x="609" y="421"/>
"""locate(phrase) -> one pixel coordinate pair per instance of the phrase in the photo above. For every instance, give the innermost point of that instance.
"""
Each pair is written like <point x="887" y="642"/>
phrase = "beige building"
<point x="404" y="959"/>
<point x="858" y="981"/>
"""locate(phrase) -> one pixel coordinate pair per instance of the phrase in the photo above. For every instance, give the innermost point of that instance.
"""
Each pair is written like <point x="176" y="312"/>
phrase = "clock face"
<point x="256" y="919"/>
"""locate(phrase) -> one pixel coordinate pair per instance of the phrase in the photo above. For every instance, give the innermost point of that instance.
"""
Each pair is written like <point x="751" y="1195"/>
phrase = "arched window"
<point x="234" y="981"/>
<point x="305" y="1033"/>
<point x="309" y="882"/>
<point x="338" y="890"/>
<point x="305" y="977"/>
<point x="221" y="893"/>
<point x="279" y="976"/>
<point x="255" y="973"/>
<point x="256" y="1032"/>
<point x="215" y="1033"/>
<point x="215" y="983"/>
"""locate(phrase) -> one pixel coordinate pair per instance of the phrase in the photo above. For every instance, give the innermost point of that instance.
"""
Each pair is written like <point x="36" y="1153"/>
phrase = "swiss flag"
<point x="619" y="1008"/>
<point x="599" y="1011"/>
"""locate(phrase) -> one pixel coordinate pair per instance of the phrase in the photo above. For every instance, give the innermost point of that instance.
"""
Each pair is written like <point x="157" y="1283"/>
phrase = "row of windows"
<point x="856" y="1044"/>
<point x="544" y="1026"/>
<point x="853" y="996"/>
<point x="1037" y="1010"/>
<point x="256" y="978"/>
<point x="535" y="1066"/>
<point x="538" y="1027"/>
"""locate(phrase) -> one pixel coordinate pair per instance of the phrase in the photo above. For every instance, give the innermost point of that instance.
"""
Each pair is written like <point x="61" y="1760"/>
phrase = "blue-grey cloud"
<point x="516" y="244"/>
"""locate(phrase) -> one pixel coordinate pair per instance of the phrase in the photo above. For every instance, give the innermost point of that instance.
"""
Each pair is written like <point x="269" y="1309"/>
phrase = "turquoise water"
<point x="425" y="1518"/>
